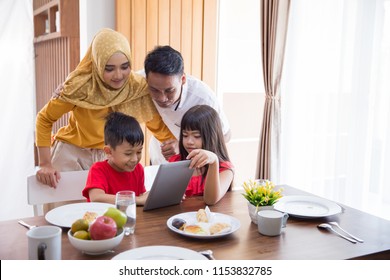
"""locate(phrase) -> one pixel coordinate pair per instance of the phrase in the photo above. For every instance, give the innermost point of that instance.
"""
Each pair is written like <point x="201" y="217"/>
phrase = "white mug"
<point x="271" y="222"/>
<point x="44" y="243"/>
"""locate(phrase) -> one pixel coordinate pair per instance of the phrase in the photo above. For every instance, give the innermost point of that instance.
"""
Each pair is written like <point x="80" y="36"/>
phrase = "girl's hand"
<point x="200" y="158"/>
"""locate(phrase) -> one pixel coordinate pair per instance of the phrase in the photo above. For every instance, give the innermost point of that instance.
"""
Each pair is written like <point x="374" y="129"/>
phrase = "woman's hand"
<point x="48" y="175"/>
<point x="200" y="158"/>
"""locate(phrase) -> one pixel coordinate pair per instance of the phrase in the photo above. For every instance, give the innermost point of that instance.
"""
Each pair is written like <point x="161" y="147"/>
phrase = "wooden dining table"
<point x="300" y="239"/>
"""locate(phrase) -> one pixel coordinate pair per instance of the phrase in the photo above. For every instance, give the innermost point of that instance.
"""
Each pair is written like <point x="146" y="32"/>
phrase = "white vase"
<point x="253" y="211"/>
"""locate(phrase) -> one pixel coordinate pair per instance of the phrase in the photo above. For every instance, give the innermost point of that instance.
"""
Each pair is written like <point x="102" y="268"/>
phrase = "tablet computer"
<point x="169" y="185"/>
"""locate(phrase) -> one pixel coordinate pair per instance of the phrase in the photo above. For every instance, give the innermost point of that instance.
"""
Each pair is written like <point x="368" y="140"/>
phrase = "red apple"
<point x="102" y="228"/>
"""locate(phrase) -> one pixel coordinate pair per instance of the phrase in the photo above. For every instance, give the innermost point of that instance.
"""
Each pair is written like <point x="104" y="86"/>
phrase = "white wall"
<point x="94" y="15"/>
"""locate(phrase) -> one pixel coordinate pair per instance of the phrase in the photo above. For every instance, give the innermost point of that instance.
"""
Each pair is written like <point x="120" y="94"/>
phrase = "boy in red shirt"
<point x="123" y="139"/>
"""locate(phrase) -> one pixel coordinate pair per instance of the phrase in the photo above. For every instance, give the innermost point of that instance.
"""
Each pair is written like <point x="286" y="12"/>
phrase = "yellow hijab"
<point x="85" y="87"/>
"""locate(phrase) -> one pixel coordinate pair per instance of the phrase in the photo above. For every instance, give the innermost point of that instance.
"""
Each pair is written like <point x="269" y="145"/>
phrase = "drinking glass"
<point x="125" y="201"/>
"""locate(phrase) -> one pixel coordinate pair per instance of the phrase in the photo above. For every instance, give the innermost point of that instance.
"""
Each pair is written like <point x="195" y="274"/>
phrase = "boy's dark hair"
<point x="164" y="60"/>
<point x="206" y="120"/>
<point x="120" y="127"/>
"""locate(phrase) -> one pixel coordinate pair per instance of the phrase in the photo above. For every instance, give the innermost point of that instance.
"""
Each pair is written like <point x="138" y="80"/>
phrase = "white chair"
<point x="69" y="188"/>
<point x="150" y="174"/>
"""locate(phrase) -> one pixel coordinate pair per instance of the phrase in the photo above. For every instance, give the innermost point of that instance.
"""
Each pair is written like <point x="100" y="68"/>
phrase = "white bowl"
<point x="96" y="247"/>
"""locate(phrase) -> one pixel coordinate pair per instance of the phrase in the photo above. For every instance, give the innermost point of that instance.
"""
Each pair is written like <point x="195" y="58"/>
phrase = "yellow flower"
<point x="261" y="192"/>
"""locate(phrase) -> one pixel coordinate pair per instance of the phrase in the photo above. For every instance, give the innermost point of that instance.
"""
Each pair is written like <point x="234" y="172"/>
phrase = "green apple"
<point x="117" y="215"/>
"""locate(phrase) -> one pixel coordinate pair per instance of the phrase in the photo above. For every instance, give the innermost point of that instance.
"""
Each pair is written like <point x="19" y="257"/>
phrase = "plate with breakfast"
<point x="65" y="215"/>
<point x="203" y="224"/>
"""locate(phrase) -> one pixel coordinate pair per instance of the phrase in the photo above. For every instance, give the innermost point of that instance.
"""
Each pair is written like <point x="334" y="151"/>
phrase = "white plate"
<point x="65" y="215"/>
<point x="159" y="253"/>
<point x="190" y="218"/>
<point x="306" y="206"/>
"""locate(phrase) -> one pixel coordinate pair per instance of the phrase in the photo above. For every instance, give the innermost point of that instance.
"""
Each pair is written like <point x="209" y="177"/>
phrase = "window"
<point x="240" y="83"/>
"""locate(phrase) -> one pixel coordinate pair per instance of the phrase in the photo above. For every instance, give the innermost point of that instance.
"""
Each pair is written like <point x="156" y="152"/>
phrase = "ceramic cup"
<point x="44" y="243"/>
<point x="271" y="222"/>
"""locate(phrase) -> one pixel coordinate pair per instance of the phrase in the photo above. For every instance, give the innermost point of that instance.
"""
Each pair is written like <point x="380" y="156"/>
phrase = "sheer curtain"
<point x="336" y="110"/>
<point x="17" y="113"/>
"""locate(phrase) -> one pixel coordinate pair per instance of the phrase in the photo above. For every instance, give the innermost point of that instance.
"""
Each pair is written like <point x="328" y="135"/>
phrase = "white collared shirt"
<point x="195" y="92"/>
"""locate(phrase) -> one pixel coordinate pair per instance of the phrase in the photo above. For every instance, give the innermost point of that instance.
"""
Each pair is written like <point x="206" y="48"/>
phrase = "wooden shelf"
<point x="56" y="18"/>
<point x="48" y="36"/>
<point x="45" y="7"/>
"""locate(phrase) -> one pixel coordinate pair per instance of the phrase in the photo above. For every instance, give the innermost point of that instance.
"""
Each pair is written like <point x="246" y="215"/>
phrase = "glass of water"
<point x="125" y="201"/>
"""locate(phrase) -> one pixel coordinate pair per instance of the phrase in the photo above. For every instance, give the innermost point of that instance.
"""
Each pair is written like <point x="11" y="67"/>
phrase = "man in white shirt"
<point x="173" y="92"/>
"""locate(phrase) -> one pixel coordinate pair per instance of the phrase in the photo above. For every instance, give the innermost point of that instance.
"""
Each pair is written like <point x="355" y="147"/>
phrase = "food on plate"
<point x="218" y="228"/>
<point x="90" y="216"/>
<point x="195" y="229"/>
<point x="201" y="216"/>
<point x="80" y="224"/>
<point x="103" y="228"/>
<point x="202" y="222"/>
<point x="119" y="217"/>
<point x="179" y="223"/>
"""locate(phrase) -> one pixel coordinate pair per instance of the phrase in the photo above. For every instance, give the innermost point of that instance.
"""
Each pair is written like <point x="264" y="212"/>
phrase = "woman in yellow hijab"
<point x="102" y="82"/>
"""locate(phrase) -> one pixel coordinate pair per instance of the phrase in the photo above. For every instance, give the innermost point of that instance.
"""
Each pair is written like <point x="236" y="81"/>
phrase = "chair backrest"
<point x="150" y="174"/>
<point x="69" y="188"/>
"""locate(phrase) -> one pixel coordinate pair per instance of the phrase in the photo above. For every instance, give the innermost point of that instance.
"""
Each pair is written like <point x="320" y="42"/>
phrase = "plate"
<point x="159" y="253"/>
<point x="65" y="215"/>
<point x="305" y="206"/>
<point x="190" y="218"/>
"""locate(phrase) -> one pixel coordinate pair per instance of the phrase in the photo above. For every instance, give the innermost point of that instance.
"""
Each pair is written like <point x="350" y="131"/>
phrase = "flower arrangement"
<point x="261" y="192"/>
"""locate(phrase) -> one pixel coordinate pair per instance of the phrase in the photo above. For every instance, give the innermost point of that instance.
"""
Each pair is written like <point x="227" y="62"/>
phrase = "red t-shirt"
<point x="103" y="176"/>
<point x="196" y="185"/>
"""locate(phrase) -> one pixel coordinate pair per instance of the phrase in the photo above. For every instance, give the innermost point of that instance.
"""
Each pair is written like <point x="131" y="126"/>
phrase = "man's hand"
<point x="49" y="176"/>
<point x="170" y="148"/>
<point x="57" y="91"/>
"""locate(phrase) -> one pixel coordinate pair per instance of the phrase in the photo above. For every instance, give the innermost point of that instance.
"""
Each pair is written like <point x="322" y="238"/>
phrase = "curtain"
<point x="335" y="139"/>
<point x="274" y="19"/>
<point x="17" y="113"/>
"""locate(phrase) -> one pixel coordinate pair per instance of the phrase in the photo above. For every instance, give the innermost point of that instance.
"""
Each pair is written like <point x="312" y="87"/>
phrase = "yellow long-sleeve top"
<point x="85" y="127"/>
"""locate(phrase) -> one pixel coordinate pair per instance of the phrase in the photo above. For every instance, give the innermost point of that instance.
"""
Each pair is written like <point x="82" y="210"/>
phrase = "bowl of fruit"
<point x="96" y="235"/>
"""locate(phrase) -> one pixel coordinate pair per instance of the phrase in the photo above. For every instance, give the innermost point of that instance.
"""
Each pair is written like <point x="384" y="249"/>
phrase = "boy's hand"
<point x="141" y="199"/>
